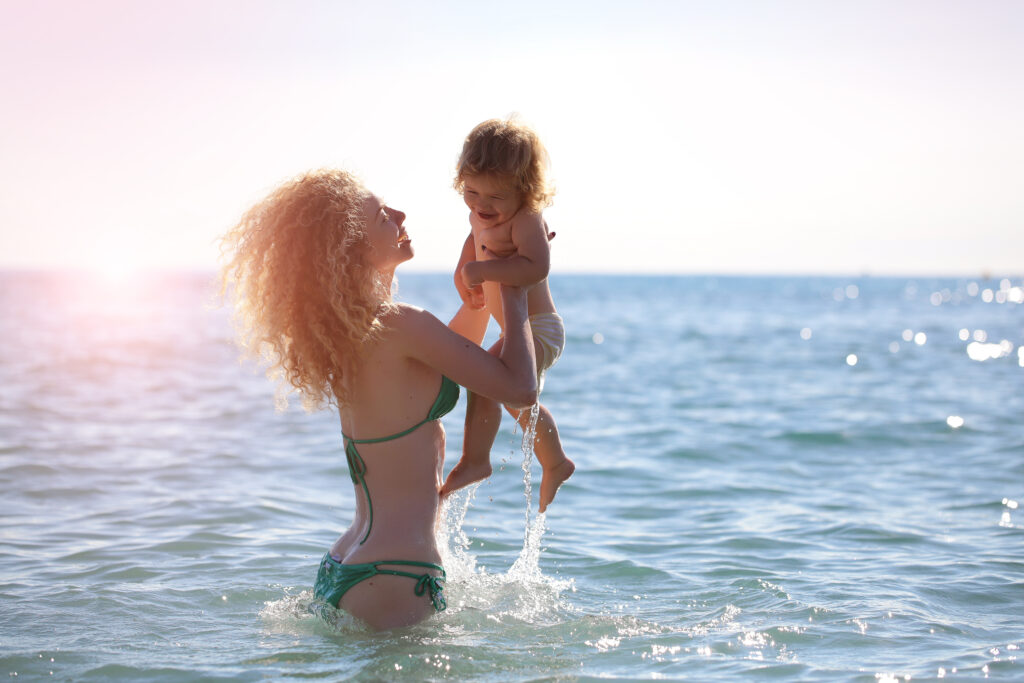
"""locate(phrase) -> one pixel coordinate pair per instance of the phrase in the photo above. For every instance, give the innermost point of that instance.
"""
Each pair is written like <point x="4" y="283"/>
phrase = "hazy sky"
<point x="718" y="136"/>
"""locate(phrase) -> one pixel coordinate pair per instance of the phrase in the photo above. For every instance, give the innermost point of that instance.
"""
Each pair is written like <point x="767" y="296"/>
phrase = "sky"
<point x="762" y="137"/>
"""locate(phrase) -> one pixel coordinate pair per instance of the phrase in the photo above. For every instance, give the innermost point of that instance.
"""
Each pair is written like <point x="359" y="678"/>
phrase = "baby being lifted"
<point x="502" y="175"/>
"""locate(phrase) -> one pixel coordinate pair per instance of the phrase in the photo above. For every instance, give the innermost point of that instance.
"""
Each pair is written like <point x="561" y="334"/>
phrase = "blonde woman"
<point x="311" y="270"/>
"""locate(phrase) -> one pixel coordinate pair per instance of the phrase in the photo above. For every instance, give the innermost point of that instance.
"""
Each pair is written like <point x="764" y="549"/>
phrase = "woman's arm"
<point x="509" y="378"/>
<point x="471" y="323"/>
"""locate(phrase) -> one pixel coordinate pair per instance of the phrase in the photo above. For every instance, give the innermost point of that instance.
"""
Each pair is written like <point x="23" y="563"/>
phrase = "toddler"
<point x="502" y="175"/>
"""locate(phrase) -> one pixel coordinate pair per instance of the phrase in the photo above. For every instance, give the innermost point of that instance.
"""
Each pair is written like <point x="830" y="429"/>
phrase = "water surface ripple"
<point x="812" y="479"/>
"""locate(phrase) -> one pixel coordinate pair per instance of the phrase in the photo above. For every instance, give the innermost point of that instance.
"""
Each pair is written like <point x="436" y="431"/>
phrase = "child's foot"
<point x="551" y="479"/>
<point x="463" y="474"/>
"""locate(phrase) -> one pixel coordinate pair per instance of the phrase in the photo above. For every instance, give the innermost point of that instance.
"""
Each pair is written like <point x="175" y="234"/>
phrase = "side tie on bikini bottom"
<point x="335" y="579"/>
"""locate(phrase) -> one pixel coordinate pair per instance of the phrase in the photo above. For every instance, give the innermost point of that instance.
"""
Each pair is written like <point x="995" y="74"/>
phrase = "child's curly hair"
<point x="305" y="299"/>
<point x="508" y="147"/>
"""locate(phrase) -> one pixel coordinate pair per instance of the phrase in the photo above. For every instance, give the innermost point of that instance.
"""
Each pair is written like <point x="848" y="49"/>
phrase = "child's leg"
<point x="548" y="447"/>
<point x="483" y="417"/>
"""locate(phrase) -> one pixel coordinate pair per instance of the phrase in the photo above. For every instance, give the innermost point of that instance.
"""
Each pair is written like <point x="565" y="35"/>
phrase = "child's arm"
<point x="528" y="266"/>
<point x="471" y="296"/>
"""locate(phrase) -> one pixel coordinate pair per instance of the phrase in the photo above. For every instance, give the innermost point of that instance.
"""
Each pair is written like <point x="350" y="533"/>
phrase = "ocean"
<point x="778" y="478"/>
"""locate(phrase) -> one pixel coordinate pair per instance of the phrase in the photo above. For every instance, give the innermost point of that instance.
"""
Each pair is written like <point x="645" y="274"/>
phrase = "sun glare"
<point x="114" y="265"/>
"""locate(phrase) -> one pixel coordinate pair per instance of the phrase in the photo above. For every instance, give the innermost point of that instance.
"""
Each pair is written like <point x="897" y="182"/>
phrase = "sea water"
<point x="788" y="478"/>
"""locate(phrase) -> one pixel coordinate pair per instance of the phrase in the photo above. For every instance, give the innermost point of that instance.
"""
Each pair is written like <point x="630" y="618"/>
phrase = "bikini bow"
<point x="425" y="583"/>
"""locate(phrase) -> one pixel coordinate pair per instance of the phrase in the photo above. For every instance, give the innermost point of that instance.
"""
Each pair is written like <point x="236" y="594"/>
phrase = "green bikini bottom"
<point x="334" y="579"/>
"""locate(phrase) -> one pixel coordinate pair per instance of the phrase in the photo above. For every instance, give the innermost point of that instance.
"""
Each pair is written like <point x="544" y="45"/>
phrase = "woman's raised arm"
<point x="509" y="378"/>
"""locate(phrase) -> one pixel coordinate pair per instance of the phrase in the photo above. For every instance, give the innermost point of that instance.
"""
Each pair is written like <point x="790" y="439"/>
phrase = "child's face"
<point x="492" y="198"/>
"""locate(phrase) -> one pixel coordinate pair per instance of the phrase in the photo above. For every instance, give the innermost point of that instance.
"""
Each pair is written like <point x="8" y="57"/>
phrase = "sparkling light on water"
<point x="146" y="473"/>
<point x="980" y="351"/>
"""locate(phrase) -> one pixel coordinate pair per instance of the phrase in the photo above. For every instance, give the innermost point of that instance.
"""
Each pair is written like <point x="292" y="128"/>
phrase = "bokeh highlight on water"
<point x="779" y="478"/>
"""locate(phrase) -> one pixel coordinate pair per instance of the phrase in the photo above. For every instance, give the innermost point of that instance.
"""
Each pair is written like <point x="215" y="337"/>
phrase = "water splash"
<point x="452" y="541"/>
<point x="527" y="565"/>
<point x="529" y="439"/>
<point x="522" y="594"/>
<point x="302" y="613"/>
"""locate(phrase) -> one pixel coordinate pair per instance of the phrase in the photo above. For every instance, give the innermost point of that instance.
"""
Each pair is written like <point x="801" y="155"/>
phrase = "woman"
<point x="311" y="273"/>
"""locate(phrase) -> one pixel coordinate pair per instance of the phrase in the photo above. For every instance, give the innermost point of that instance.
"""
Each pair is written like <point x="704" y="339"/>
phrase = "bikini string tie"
<point x="425" y="583"/>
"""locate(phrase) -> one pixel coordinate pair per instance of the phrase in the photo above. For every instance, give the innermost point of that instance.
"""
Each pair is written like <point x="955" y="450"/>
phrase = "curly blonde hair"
<point x="305" y="298"/>
<point x="510" y="149"/>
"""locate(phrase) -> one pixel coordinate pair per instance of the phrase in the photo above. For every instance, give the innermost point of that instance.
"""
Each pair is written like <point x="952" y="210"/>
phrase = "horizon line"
<point x="983" y="274"/>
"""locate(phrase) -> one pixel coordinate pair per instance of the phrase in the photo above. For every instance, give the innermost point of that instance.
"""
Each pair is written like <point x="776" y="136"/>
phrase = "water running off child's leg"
<point x="556" y="467"/>
<point x="527" y="565"/>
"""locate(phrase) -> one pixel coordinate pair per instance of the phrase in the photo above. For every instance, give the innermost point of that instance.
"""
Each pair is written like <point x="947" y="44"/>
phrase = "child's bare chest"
<point x="497" y="240"/>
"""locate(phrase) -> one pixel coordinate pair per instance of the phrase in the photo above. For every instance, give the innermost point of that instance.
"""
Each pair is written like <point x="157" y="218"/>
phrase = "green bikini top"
<point x="447" y="397"/>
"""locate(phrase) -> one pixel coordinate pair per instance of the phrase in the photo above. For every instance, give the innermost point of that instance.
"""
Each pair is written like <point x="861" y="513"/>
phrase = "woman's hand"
<point x="471" y="295"/>
<point x="469" y="288"/>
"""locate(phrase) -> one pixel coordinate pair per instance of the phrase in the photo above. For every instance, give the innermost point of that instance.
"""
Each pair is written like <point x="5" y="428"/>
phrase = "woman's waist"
<point x="381" y="547"/>
<point x="404" y="509"/>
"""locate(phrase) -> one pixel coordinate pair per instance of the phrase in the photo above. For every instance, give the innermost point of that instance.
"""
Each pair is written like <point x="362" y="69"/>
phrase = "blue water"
<point x="810" y="479"/>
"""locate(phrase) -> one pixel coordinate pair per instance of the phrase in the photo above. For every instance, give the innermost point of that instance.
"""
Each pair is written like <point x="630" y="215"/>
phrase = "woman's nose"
<point x="399" y="216"/>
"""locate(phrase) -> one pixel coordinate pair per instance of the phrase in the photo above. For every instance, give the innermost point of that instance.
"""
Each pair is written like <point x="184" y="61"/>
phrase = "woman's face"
<point x="388" y="240"/>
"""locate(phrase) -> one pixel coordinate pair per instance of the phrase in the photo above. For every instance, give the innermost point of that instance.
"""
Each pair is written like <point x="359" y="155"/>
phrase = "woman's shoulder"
<point x="403" y="319"/>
